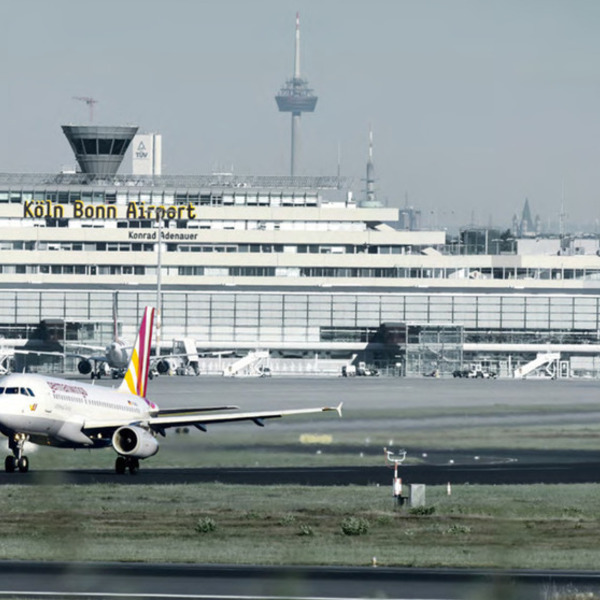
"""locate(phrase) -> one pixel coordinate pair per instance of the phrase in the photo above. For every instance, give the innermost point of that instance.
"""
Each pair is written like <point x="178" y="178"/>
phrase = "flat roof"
<point x="217" y="180"/>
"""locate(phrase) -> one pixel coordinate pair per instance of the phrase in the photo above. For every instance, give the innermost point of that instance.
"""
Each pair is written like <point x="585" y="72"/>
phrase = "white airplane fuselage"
<point x="53" y="411"/>
<point x="117" y="356"/>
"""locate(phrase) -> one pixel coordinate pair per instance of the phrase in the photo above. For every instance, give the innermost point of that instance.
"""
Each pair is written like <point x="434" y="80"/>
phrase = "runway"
<point x="221" y="582"/>
<point x="493" y="474"/>
<point x="373" y="406"/>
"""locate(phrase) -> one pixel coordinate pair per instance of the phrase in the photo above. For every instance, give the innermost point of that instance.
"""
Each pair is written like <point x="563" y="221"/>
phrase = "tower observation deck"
<point x="296" y="97"/>
<point x="99" y="150"/>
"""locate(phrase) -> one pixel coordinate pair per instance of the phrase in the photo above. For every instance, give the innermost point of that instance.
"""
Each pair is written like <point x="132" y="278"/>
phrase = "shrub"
<point x="457" y="529"/>
<point x="355" y="526"/>
<point x="205" y="525"/>
<point x="422" y="510"/>
<point x="306" y="530"/>
<point x="287" y="519"/>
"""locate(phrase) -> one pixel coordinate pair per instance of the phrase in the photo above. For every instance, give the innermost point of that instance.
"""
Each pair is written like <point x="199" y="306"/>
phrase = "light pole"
<point x="159" y="218"/>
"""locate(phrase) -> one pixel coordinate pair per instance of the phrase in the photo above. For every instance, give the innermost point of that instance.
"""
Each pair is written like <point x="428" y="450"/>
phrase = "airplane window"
<point x="11" y="390"/>
<point x="1" y="390"/>
<point x="30" y="392"/>
<point x="24" y="392"/>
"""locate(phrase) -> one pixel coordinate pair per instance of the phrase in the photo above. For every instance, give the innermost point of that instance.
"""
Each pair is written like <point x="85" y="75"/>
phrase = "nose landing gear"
<point x="17" y="460"/>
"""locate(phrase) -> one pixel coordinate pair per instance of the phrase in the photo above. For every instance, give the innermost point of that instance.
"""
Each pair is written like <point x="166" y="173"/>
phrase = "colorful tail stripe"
<point x="136" y="377"/>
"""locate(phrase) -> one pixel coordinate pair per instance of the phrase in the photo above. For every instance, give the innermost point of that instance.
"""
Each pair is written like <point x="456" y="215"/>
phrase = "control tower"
<point x="296" y="97"/>
<point x="99" y="150"/>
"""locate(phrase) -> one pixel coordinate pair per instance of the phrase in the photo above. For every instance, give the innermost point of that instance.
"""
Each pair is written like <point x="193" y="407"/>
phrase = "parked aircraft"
<point x="109" y="360"/>
<point x="113" y="359"/>
<point x="71" y="414"/>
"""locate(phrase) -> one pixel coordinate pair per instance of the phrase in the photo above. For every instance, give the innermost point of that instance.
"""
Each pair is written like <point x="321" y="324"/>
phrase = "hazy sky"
<point x="475" y="104"/>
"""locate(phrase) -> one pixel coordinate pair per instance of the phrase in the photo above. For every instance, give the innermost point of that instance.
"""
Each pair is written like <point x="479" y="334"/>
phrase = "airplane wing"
<point x="87" y="347"/>
<point x="155" y="359"/>
<point x="96" y="358"/>
<point x="189" y="411"/>
<point x="38" y="352"/>
<point x="201" y="417"/>
<point x="200" y="420"/>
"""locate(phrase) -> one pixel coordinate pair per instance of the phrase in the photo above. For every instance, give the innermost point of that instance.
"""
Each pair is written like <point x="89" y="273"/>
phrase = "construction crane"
<point x="90" y="102"/>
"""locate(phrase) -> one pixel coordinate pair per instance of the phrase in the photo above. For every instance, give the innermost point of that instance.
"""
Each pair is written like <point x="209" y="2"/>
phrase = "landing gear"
<point x="127" y="462"/>
<point x="17" y="460"/>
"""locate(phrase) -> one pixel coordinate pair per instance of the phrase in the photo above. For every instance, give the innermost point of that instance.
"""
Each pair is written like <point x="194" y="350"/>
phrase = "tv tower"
<point x="296" y="97"/>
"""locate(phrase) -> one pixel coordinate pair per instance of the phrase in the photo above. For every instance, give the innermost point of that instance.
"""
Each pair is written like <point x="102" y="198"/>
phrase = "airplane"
<point x="71" y="414"/>
<point x="113" y="359"/>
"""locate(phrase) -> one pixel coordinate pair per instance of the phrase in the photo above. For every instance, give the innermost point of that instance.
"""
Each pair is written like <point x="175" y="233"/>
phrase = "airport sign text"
<point x="40" y="209"/>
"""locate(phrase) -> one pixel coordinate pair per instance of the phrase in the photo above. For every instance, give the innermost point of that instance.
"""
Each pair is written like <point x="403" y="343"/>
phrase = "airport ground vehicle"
<point x="360" y="370"/>
<point x="474" y="371"/>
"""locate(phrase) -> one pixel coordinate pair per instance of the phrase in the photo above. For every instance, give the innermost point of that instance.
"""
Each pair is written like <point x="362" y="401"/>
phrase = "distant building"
<point x="409" y="218"/>
<point x="526" y="226"/>
<point x="485" y="241"/>
<point x="147" y="154"/>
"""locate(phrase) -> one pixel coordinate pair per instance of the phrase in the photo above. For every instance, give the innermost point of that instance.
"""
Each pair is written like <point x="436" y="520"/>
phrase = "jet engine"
<point x="164" y="365"/>
<point x="134" y="441"/>
<point x="84" y="366"/>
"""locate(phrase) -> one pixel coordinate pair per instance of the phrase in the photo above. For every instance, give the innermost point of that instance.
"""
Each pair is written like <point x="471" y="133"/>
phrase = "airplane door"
<point x="48" y="402"/>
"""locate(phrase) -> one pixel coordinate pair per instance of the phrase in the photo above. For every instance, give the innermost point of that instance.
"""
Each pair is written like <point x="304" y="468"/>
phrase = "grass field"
<point x="477" y="526"/>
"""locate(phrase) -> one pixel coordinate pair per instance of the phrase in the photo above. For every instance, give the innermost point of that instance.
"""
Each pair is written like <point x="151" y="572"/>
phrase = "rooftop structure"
<point x="147" y="154"/>
<point x="296" y="97"/>
<point x="99" y="150"/>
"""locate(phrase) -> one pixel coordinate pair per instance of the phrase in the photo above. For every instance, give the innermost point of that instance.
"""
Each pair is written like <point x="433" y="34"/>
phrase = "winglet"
<point x="338" y="408"/>
<point x="136" y="376"/>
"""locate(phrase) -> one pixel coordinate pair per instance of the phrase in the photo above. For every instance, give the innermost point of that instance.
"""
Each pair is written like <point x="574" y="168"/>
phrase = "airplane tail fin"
<point x="136" y="376"/>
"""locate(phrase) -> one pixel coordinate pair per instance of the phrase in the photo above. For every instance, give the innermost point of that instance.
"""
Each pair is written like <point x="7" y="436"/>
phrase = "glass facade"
<point x="316" y="317"/>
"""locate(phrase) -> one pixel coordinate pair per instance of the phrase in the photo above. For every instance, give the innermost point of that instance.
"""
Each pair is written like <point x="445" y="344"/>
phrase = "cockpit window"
<point x="11" y="390"/>
<point x="30" y="392"/>
<point x="26" y="392"/>
<point x="1" y="390"/>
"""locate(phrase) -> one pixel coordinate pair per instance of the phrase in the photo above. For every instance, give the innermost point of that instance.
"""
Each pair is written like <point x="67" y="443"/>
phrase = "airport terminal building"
<point x="293" y="265"/>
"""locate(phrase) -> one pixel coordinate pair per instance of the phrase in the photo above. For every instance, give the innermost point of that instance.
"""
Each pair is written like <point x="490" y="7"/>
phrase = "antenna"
<point x="561" y="216"/>
<point x="90" y="102"/>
